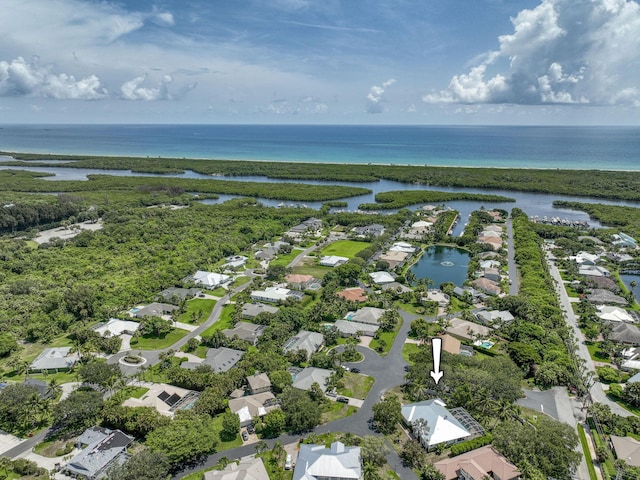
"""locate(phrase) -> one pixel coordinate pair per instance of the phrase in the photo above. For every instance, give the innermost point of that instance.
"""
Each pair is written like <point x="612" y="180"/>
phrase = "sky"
<point x="465" y="62"/>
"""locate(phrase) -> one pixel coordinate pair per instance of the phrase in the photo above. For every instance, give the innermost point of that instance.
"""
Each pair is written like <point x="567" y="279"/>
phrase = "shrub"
<point x="463" y="447"/>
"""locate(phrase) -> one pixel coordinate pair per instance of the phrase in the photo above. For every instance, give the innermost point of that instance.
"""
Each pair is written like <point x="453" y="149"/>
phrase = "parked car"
<point x="251" y="430"/>
<point x="245" y="436"/>
<point x="288" y="463"/>
<point x="355" y="370"/>
<point x="342" y="399"/>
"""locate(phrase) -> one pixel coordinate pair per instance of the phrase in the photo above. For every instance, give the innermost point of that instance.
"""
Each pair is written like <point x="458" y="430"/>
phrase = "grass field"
<point x="385" y="340"/>
<point x="149" y="342"/>
<point x="198" y="310"/>
<point x="596" y="354"/>
<point x="223" y="322"/>
<point x="587" y="454"/>
<point x="408" y="349"/>
<point x="336" y="410"/>
<point x="344" y="248"/>
<point x="135" y="392"/>
<point x="222" y="446"/>
<point x="355" y="385"/>
<point x="285" y="259"/>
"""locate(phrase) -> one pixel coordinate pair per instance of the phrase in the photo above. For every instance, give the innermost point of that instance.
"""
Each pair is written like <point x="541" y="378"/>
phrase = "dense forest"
<point x="403" y="198"/>
<point x="594" y="183"/>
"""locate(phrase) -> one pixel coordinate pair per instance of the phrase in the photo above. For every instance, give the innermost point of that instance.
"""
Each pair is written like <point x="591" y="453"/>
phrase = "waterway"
<point x="442" y="264"/>
<point x="532" y="203"/>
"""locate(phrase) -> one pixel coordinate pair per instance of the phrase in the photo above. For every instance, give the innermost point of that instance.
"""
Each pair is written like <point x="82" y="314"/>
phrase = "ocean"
<point x="604" y="148"/>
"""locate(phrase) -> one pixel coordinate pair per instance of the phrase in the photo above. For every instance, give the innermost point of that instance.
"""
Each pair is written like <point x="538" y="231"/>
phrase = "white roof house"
<point x="333" y="261"/>
<point x="586" y="258"/>
<point x="210" y="279"/>
<point x="55" y="358"/>
<point x="271" y="294"/>
<point x="614" y="314"/>
<point x="402" y="247"/>
<point x="442" y="426"/>
<point x="251" y="407"/>
<point x="382" y="277"/>
<point x="116" y="327"/>
<point x="593" y="271"/>
<point x="317" y="462"/>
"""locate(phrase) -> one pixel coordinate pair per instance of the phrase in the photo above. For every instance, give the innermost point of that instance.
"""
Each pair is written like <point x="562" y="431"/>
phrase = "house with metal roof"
<point x="210" y="279"/>
<point x="382" y="277"/>
<point x="250" y="407"/>
<point x="432" y="424"/>
<point x="614" y="314"/>
<point x="106" y="448"/>
<point x="116" y="327"/>
<point x="317" y="462"/>
<point x="333" y="261"/>
<point x="154" y="310"/>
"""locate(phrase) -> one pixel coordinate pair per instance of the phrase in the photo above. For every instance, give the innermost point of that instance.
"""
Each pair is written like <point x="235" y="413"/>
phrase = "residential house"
<point x="624" y="240"/>
<point x="154" y="310"/>
<point x="310" y="342"/>
<point x="466" y="293"/>
<point x="311" y="225"/>
<point x="316" y="462"/>
<point x="600" y="296"/>
<point x="623" y="332"/>
<point x="627" y="449"/>
<point x="382" y="277"/>
<point x="258" y="383"/>
<point x="252" y="310"/>
<point x="494" y="242"/>
<point x="374" y="230"/>
<point x="249" y="332"/>
<point x="348" y="328"/>
<point x="116" y="327"/>
<point x="393" y="258"/>
<point x="489" y="263"/>
<point x="370" y="315"/>
<point x="497" y="217"/>
<point x="166" y="399"/>
<point x="403" y="247"/>
<point x="56" y="358"/>
<point x="40" y="385"/>
<point x="586" y="258"/>
<point x="493" y="228"/>
<point x="103" y="448"/>
<point x="450" y="344"/>
<point x="333" y="261"/>
<point x="301" y="282"/>
<point x="175" y="295"/>
<point x="438" y="296"/>
<point x="432" y="424"/>
<point x="490" y="234"/>
<point x="395" y="287"/>
<point x="219" y="359"/>
<point x="486" y="285"/>
<point x="634" y="379"/>
<point x="247" y="468"/>
<point x="250" y="407"/>
<point x="234" y="262"/>
<point x="593" y="271"/>
<point x="492" y="274"/>
<point x="272" y="295"/>
<point x="493" y="317"/>
<point x="614" y="314"/>
<point x="465" y="330"/>
<point x="480" y="464"/>
<point x="210" y="279"/>
<point x="355" y="294"/>
<point x="303" y="379"/>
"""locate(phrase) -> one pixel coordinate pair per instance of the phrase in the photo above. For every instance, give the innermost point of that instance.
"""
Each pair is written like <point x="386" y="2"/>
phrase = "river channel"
<point x="539" y="204"/>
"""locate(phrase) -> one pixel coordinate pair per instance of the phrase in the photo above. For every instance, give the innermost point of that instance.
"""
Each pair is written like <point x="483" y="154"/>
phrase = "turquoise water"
<point x="611" y="148"/>
<point x="442" y="264"/>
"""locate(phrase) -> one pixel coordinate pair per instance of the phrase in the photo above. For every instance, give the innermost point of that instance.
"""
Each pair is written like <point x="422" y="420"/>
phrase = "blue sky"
<point x="320" y="61"/>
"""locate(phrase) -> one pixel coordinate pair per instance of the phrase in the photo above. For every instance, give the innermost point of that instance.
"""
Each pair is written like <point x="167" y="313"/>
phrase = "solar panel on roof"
<point x="163" y="396"/>
<point x="172" y="400"/>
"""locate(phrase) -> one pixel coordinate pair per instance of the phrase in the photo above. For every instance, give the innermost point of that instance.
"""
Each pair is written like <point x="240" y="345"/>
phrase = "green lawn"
<point x="587" y="453"/>
<point x="408" y="349"/>
<point x="53" y="448"/>
<point x="344" y="248"/>
<point x="385" y="340"/>
<point x="225" y="321"/>
<point x="134" y="392"/>
<point x="314" y="270"/>
<point x="285" y="259"/>
<point x="355" y="385"/>
<point x="596" y="354"/>
<point x="218" y="292"/>
<point x="198" y="310"/>
<point x="150" y="342"/>
<point x="241" y="280"/>
<point x="222" y="446"/>
<point x="336" y="410"/>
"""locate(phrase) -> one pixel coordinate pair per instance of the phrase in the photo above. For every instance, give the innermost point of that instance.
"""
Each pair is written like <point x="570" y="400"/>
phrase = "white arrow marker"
<point x="436" y="347"/>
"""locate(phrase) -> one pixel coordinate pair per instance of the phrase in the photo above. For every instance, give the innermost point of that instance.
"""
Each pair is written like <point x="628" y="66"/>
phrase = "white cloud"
<point x="375" y="98"/>
<point x="133" y="89"/>
<point x="560" y="52"/>
<point x="22" y="78"/>
<point x="164" y="19"/>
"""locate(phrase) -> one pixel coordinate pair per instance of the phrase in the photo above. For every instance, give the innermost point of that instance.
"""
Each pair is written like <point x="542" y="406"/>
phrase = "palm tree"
<point x="53" y="388"/>
<point x="370" y="472"/>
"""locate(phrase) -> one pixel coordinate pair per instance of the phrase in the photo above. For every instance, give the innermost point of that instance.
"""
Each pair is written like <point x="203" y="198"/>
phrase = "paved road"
<point x="511" y="261"/>
<point x="388" y="373"/>
<point x="597" y="392"/>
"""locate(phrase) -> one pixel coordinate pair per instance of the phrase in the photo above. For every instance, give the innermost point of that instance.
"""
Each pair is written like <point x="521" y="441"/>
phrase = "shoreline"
<point x="79" y="157"/>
